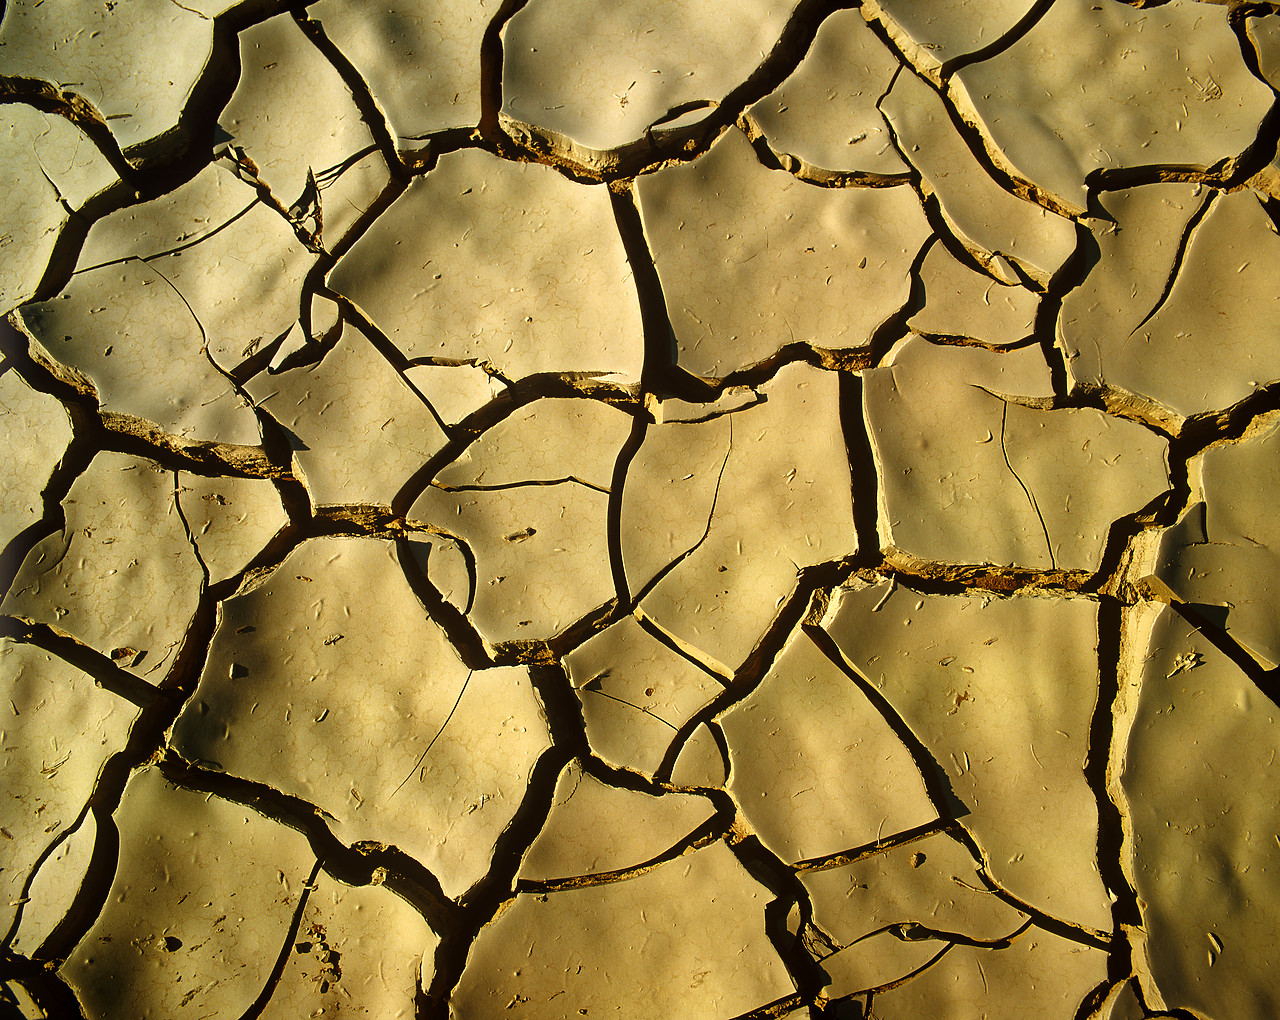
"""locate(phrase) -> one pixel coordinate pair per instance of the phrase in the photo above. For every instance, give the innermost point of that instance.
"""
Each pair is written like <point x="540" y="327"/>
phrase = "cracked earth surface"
<point x="539" y="508"/>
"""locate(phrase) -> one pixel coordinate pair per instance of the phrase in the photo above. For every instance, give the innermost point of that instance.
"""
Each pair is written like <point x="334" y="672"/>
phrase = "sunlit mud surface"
<point x="548" y="508"/>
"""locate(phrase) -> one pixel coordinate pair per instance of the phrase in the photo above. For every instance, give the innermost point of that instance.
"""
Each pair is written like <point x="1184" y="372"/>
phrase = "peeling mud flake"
<point x="198" y="908"/>
<point x="385" y="729"/>
<point x="505" y="262"/>
<point x="687" y="939"/>
<point x="752" y="259"/>
<point x="1204" y="853"/>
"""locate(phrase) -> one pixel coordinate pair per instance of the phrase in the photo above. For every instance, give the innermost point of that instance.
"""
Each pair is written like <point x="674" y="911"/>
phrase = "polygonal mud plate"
<point x="778" y="508"/>
<point x="686" y="939"/>
<point x="960" y="303"/>
<point x="1205" y="344"/>
<point x="292" y="114"/>
<point x="420" y="59"/>
<point x="37" y="432"/>
<point x="825" y="112"/>
<point x="365" y="710"/>
<point x="999" y="695"/>
<point x="599" y="76"/>
<point x="636" y="693"/>
<point x="594" y="828"/>
<point x="1105" y="85"/>
<point x="948" y="29"/>
<point x="1136" y="241"/>
<point x="752" y="259"/>
<point x="49" y="150"/>
<point x="1038" y="975"/>
<point x="122" y="575"/>
<point x="231" y="520"/>
<point x="814" y="766"/>
<point x="57" y="730"/>
<point x="359" y="950"/>
<point x="991" y="223"/>
<point x="358" y="431"/>
<point x="107" y="53"/>
<point x="970" y="477"/>
<point x="210" y="255"/>
<point x="1205" y="857"/>
<point x="198" y="910"/>
<point x="505" y="263"/>
<point x="530" y="499"/>
<point x="1221" y="556"/>
<point x="933" y="882"/>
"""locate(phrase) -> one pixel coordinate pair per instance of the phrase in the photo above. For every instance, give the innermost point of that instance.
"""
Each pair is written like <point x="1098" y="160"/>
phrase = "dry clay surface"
<point x="549" y="509"/>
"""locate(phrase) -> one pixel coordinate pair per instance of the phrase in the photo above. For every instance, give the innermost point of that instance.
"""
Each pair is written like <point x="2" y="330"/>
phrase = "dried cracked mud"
<point x="542" y="508"/>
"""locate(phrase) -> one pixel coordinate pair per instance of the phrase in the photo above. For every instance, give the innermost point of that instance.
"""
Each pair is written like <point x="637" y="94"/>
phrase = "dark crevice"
<point x="1097" y="769"/>
<point x="1018" y="186"/>
<point x="482" y="902"/>
<point x="286" y="949"/>
<point x="24" y="893"/>
<point x="491" y="71"/>
<point x="751" y="673"/>
<point x="365" y="863"/>
<point x="45" y="986"/>
<point x="370" y="112"/>
<point x="873" y="849"/>
<point x="660" y="375"/>
<point x="1266" y="680"/>
<point x="1025" y="24"/>
<point x="772" y="873"/>
<point x="1069" y="930"/>
<point x="788" y="163"/>
<point x="103" y="670"/>
<point x="864" y="478"/>
<point x="937" y="784"/>
<point x="617" y="491"/>
<point x="1179" y="255"/>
